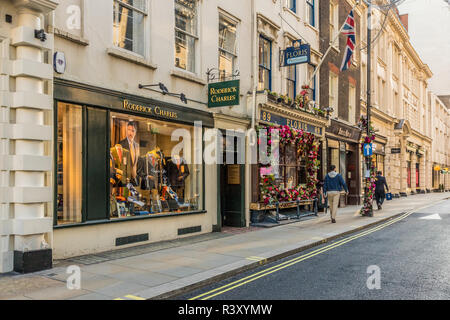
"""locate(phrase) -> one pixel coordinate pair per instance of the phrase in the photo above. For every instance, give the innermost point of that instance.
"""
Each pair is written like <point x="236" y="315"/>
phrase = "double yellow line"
<point x="263" y="273"/>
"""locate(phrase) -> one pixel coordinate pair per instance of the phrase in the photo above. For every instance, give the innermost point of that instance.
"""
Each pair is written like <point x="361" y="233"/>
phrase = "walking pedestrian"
<point x="380" y="183"/>
<point x="332" y="187"/>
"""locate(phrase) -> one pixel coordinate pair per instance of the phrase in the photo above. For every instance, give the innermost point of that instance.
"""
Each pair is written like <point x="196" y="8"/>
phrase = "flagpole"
<point x="331" y="45"/>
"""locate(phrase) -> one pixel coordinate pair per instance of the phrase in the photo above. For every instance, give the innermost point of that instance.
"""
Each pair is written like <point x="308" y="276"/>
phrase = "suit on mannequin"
<point x="122" y="162"/>
<point x="132" y="146"/>
<point x="177" y="171"/>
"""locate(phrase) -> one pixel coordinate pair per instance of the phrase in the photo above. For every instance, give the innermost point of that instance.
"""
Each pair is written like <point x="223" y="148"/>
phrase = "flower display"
<point x="369" y="184"/>
<point x="307" y="146"/>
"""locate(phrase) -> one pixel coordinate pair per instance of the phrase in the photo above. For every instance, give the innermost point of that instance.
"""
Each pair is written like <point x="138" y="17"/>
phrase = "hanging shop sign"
<point x="223" y="94"/>
<point x="297" y="54"/>
<point x="282" y="121"/>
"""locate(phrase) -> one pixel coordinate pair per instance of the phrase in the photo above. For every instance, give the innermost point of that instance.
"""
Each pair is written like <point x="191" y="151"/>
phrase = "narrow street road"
<point x="412" y="253"/>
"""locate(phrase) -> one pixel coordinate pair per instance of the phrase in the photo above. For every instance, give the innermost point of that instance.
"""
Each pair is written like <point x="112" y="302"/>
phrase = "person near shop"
<point x="332" y="187"/>
<point x="380" y="183"/>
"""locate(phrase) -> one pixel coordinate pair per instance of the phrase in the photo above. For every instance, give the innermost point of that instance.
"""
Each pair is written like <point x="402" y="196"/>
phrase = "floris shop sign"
<point x="223" y="94"/>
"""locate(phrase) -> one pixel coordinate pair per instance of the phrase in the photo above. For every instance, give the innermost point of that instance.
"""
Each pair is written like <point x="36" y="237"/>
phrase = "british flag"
<point x="349" y="31"/>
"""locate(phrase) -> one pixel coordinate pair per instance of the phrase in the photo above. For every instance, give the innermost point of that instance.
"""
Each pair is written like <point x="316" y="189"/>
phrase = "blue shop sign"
<point x="282" y="121"/>
<point x="297" y="55"/>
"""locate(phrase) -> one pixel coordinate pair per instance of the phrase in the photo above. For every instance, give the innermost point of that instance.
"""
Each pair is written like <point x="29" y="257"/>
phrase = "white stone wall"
<point x="25" y="131"/>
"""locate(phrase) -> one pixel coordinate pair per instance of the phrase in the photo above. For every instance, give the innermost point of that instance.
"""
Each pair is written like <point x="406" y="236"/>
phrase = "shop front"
<point x="343" y="152"/>
<point x="379" y="156"/>
<point x="289" y="185"/>
<point x="128" y="170"/>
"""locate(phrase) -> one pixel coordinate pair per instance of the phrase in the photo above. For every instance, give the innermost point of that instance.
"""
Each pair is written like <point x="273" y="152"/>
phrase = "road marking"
<point x="134" y="297"/>
<point x="119" y="299"/>
<point x="432" y="217"/>
<point x="263" y="273"/>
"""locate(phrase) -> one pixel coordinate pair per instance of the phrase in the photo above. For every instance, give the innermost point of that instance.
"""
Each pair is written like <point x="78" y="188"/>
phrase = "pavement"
<point x="164" y="270"/>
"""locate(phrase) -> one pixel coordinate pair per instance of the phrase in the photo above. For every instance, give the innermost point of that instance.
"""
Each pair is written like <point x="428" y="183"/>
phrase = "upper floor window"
<point x="291" y="81"/>
<point x="334" y="23"/>
<point x="333" y="94"/>
<point x="351" y="104"/>
<point x="312" y="85"/>
<point x="227" y="47"/>
<point x="186" y="34"/>
<point x="291" y="5"/>
<point x="265" y="64"/>
<point x="310" y="11"/>
<point x="128" y="25"/>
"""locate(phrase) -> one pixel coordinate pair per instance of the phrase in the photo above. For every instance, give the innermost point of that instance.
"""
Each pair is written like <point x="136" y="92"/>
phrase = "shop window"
<point x="334" y="159"/>
<point x="145" y="178"/>
<point x="186" y="34"/>
<point x="290" y="172"/>
<point x="69" y="164"/>
<point x="128" y="25"/>
<point x="227" y="47"/>
<point x="408" y="178"/>
<point x="265" y="64"/>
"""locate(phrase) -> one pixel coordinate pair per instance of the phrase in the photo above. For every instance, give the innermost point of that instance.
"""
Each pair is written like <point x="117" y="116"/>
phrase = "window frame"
<point x="311" y="4"/>
<point x="334" y="22"/>
<point x="84" y="214"/>
<point x="223" y="16"/>
<point x="353" y="104"/>
<point x="333" y="87"/>
<point x="196" y="38"/>
<point x="292" y="5"/>
<point x="145" y="27"/>
<point x="261" y="37"/>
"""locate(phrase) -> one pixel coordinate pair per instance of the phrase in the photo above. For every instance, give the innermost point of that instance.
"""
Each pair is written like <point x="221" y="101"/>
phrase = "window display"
<point x="69" y="164"/>
<point x="144" y="176"/>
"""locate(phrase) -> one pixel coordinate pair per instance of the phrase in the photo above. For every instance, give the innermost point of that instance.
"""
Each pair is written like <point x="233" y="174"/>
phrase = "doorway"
<point x="231" y="187"/>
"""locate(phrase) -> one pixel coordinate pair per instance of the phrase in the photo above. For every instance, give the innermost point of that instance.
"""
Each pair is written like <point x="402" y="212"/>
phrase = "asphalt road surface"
<point x="411" y="255"/>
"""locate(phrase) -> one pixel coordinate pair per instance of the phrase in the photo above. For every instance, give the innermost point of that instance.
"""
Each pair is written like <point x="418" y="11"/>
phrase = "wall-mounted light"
<point x="40" y="34"/>
<point x="161" y="86"/>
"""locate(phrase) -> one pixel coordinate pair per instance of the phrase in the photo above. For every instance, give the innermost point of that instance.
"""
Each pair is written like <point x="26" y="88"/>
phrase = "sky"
<point x="429" y="31"/>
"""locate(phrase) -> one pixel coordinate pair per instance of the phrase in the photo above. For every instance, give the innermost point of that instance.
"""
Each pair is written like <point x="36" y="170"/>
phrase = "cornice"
<point x="43" y="6"/>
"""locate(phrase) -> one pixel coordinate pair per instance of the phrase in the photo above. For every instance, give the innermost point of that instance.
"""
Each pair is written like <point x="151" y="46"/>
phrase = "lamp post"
<point x="368" y="160"/>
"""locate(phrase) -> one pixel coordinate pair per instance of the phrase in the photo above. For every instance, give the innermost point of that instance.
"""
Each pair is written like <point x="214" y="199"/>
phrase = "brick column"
<point x="27" y="134"/>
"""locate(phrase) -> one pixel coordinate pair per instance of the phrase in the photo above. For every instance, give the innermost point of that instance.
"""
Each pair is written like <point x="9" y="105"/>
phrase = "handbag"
<point x="388" y="196"/>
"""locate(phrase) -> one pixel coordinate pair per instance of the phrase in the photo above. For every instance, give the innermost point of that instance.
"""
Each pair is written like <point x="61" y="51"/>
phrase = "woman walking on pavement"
<point x="332" y="188"/>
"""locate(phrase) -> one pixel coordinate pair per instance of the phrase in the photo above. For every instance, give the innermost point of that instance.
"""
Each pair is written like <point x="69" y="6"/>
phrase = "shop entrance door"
<point x="231" y="188"/>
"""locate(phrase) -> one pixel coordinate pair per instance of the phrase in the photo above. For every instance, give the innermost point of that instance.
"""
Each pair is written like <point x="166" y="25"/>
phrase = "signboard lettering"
<point x="222" y="94"/>
<point x="296" y="124"/>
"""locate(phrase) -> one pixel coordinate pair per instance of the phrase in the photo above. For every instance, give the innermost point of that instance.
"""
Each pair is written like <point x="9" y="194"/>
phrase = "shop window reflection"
<point x="69" y="164"/>
<point x="145" y="178"/>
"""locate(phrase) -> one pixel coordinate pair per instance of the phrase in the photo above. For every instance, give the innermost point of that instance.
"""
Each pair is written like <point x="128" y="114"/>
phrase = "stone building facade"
<point x="339" y="90"/>
<point x="400" y="111"/>
<point x="26" y="137"/>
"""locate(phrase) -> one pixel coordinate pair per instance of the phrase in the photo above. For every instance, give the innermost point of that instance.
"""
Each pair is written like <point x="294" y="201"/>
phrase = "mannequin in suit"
<point x="177" y="171"/>
<point x="122" y="163"/>
<point x="149" y="171"/>
<point x="132" y="146"/>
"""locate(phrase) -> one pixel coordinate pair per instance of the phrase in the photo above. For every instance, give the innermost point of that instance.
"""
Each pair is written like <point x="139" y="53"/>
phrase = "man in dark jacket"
<point x="380" y="183"/>
<point x="332" y="187"/>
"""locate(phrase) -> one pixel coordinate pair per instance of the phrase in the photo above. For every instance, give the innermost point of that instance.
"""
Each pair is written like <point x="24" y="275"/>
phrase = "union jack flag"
<point x="349" y="31"/>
